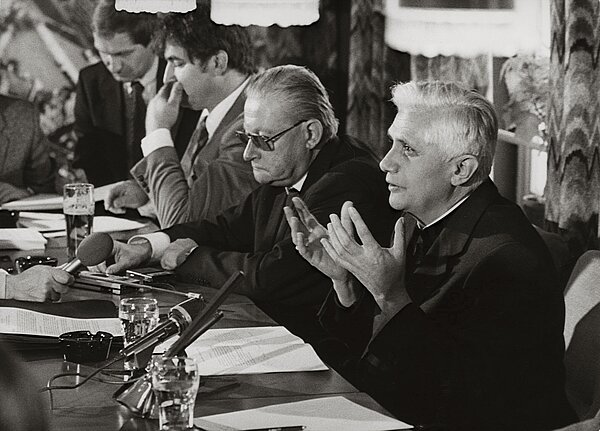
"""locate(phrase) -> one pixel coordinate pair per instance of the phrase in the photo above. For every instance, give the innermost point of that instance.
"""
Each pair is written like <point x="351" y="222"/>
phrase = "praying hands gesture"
<point x="307" y="236"/>
<point x="335" y="252"/>
<point x="380" y="270"/>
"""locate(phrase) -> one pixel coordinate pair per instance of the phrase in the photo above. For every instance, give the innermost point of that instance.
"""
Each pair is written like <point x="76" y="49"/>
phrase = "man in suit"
<point x="461" y="325"/>
<point x="25" y="165"/>
<point x="290" y="136"/>
<point x="111" y="96"/>
<point x="210" y="64"/>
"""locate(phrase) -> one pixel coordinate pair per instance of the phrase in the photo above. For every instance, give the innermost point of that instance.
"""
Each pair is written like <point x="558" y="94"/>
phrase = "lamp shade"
<point x="468" y="31"/>
<point x="265" y="12"/>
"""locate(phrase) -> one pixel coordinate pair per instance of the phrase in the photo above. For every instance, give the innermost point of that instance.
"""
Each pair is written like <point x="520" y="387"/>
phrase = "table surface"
<point x="91" y="406"/>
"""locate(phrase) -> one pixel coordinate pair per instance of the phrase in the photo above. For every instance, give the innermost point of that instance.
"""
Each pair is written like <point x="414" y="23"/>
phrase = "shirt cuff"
<point x="159" y="241"/>
<point x="158" y="139"/>
<point x="3" y="275"/>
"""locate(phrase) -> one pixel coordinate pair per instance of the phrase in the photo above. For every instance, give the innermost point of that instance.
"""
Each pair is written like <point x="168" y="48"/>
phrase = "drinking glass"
<point x="175" y="384"/>
<point x="78" y="208"/>
<point x="139" y="315"/>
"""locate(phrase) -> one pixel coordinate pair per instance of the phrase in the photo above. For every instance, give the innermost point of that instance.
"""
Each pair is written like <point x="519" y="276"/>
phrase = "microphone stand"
<point x="138" y="396"/>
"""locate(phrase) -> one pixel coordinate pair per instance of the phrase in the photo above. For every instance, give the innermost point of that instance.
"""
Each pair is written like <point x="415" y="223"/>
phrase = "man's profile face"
<point x="418" y="173"/>
<point x="195" y="77"/>
<point x="290" y="158"/>
<point x="126" y="61"/>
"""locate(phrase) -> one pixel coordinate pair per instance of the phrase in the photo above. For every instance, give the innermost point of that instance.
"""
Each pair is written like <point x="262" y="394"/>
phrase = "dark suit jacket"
<point x="101" y="149"/>
<point x="24" y="159"/>
<point x="481" y="346"/>
<point x="221" y="178"/>
<point x="254" y="236"/>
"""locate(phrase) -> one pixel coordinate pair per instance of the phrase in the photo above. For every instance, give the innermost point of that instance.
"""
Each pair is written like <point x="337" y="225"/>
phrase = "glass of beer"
<point x="175" y="383"/>
<point x="78" y="208"/>
<point x="138" y="315"/>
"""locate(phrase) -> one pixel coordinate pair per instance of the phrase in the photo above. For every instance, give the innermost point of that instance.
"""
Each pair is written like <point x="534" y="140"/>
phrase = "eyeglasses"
<point x="264" y="143"/>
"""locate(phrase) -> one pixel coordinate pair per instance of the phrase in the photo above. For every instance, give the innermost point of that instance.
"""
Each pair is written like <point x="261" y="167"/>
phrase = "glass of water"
<point x="78" y="208"/>
<point x="175" y="384"/>
<point x="138" y="316"/>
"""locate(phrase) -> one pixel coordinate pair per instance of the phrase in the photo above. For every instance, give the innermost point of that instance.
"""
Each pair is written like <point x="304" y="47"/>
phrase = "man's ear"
<point x="220" y="61"/>
<point x="314" y="131"/>
<point x="464" y="167"/>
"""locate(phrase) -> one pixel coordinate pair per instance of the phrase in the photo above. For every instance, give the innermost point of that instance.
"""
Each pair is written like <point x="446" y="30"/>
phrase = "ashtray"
<point x="83" y="346"/>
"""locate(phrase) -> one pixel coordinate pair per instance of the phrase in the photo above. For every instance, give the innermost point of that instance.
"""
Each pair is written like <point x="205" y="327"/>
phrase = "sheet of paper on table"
<point x="21" y="239"/>
<point x="266" y="349"/>
<point x="320" y="414"/>
<point x="49" y="201"/>
<point x="54" y="224"/>
<point x="27" y="322"/>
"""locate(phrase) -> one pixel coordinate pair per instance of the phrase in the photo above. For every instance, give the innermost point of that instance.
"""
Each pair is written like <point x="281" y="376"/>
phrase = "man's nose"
<point x="169" y="74"/>
<point x="389" y="162"/>
<point x="114" y="64"/>
<point x="249" y="151"/>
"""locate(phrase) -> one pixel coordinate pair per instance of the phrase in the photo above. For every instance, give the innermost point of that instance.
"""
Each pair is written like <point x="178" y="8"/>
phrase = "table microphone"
<point x="180" y="317"/>
<point x="93" y="250"/>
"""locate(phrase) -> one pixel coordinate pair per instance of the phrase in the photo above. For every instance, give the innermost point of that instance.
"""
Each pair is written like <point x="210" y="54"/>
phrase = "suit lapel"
<point x="112" y="103"/>
<point x="435" y="267"/>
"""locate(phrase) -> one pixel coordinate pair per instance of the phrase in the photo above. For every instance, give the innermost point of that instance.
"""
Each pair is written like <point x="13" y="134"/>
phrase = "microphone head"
<point x="95" y="249"/>
<point x="185" y="311"/>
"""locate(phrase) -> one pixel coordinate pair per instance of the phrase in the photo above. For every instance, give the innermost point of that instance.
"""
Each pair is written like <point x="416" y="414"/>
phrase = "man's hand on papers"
<point x="163" y="109"/>
<point x="38" y="284"/>
<point x="125" y="194"/>
<point x="128" y="256"/>
<point x="177" y="252"/>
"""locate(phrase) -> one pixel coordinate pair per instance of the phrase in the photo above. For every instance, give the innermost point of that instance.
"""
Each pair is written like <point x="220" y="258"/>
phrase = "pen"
<point x="289" y="428"/>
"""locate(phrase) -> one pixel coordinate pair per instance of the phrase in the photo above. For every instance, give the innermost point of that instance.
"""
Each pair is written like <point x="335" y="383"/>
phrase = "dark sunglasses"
<point x="263" y="142"/>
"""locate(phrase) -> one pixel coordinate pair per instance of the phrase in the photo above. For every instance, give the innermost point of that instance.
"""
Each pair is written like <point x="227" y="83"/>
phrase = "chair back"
<point x="582" y="335"/>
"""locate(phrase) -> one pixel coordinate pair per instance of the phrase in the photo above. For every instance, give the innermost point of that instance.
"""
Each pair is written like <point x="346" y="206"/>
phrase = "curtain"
<point x="573" y="186"/>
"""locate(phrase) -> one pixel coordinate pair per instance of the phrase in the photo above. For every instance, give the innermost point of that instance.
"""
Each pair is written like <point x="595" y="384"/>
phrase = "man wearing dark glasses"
<point x="290" y="138"/>
<point x="208" y="68"/>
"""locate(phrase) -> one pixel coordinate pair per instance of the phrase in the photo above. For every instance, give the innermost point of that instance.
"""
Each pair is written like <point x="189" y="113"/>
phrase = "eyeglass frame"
<point x="262" y="142"/>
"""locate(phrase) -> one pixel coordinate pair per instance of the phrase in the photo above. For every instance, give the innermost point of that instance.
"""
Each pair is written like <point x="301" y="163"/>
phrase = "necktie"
<point x="135" y="111"/>
<point x="197" y="142"/>
<point x="290" y="193"/>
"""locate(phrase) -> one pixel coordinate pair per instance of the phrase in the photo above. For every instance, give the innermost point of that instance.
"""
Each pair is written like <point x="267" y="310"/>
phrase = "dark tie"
<point x="197" y="142"/>
<point x="135" y="111"/>
<point x="291" y="193"/>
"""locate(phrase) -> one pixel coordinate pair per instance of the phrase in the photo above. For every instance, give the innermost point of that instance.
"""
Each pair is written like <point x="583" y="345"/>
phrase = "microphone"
<point x="180" y="317"/>
<point x="209" y="316"/>
<point x="93" y="250"/>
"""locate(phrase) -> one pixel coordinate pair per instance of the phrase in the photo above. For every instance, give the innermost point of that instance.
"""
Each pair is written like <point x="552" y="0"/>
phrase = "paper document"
<point x="101" y="224"/>
<point x="21" y="239"/>
<point x="269" y="349"/>
<point x="27" y="322"/>
<point x="319" y="414"/>
<point x="50" y="201"/>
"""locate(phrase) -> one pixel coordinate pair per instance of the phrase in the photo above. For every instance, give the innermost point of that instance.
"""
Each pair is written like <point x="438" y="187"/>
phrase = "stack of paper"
<point x="47" y="222"/>
<point x="49" y="201"/>
<point x="22" y="239"/>
<point x="268" y="349"/>
<point x="320" y="414"/>
<point x="28" y="322"/>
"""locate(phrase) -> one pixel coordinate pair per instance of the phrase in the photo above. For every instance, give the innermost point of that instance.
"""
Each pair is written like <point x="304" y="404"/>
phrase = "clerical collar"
<point x="421" y="226"/>
<point x="298" y="185"/>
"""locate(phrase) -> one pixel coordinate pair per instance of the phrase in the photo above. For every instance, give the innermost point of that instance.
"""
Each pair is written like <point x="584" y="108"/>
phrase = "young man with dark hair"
<point x="112" y="95"/>
<point x="210" y="65"/>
